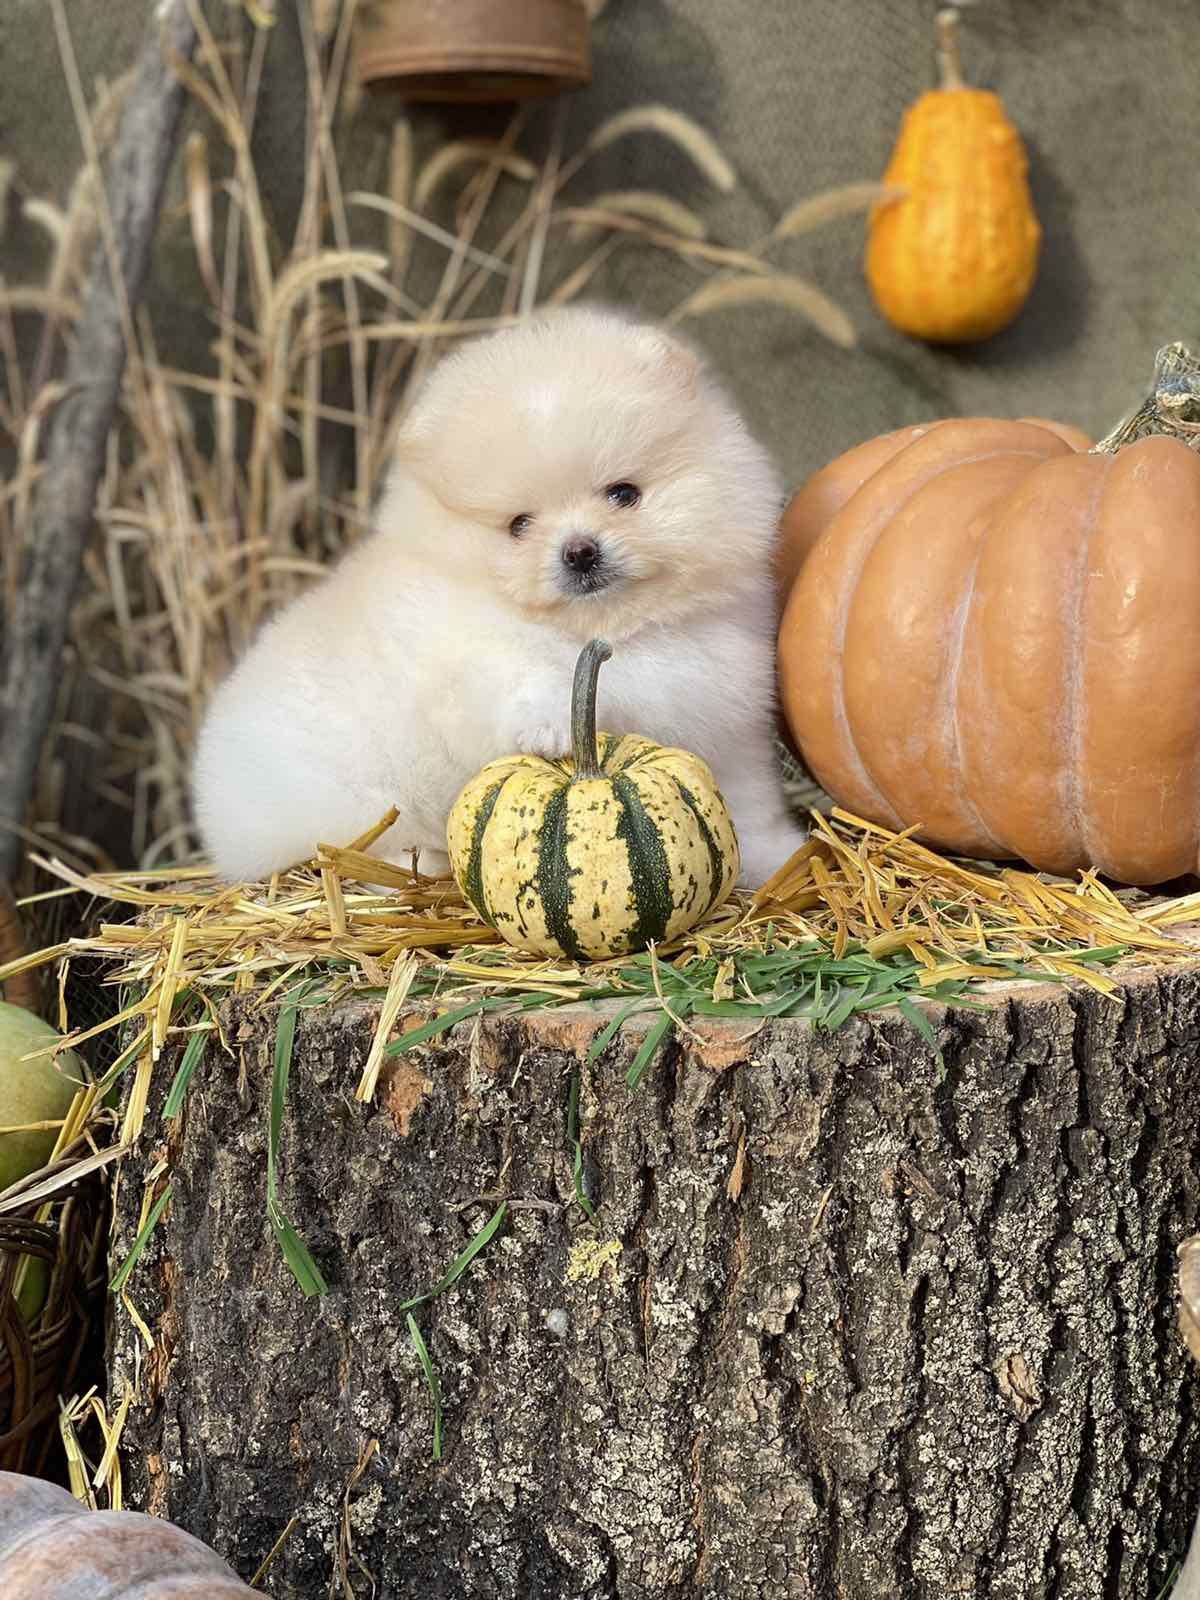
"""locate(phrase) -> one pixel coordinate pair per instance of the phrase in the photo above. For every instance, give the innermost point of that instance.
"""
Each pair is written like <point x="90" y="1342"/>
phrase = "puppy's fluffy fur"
<point x="449" y="636"/>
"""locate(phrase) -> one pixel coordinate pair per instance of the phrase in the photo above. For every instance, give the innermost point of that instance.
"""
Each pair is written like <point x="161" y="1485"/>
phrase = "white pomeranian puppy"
<point x="575" y="476"/>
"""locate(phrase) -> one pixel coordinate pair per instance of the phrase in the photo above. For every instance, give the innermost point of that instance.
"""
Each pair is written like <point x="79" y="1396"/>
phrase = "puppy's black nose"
<point x="581" y="555"/>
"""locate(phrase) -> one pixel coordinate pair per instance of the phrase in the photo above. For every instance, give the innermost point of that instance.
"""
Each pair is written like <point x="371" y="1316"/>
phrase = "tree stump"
<point x="850" y="1321"/>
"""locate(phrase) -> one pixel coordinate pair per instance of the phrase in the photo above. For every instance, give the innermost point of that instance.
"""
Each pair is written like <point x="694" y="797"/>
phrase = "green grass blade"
<point x="478" y="1241"/>
<point x="917" y="1019"/>
<point x="655" y="1035"/>
<point x="1105" y="956"/>
<point x="435" y="1392"/>
<point x="573" y="1140"/>
<point x="314" y="993"/>
<point x="285" y="1041"/>
<point x="430" y="1030"/>
<point x="295" y="1251"/>
<point x="121" y="1275"/>
<point x="1169" y="1586"/>
<point x="727" y="1008"/>
<point x="842" y="1007"/>
<point x="179" y="1084"/>
<point x="790" y="1003"/>
<point x="609" y="1032"/>
<point x="119" y="1066"/>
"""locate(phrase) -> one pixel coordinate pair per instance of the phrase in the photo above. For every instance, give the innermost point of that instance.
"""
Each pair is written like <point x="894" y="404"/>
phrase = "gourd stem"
<point x="583" y="708"/>
<point x="1172" y="407"/>
<point x="949" y="60"/>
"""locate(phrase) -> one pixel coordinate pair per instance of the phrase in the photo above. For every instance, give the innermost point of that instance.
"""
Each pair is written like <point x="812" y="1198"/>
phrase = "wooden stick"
<point x="31" y="655"/>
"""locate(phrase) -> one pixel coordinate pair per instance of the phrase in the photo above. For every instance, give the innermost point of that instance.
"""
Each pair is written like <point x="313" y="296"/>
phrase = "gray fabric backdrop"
<point x="801" y="94"/>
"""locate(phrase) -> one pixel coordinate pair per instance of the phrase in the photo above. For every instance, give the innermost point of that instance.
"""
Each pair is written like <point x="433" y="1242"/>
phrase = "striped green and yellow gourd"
<point x="624" y="844"/>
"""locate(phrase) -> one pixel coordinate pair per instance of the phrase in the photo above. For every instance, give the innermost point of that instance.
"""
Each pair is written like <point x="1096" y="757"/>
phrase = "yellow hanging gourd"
<point x="954" y="259"/>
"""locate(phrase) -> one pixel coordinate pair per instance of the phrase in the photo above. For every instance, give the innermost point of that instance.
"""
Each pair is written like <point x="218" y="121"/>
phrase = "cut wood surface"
<point x="849" y="1321"/>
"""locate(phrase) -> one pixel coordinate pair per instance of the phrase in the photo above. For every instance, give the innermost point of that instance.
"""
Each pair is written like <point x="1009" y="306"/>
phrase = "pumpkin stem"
<point x="949" y="60"/>
<point x="1171" y="408"/>
<point x="583" y="708"/>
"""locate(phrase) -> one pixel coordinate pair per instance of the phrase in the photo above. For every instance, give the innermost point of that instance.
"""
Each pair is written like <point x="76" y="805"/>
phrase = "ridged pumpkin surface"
<point x="594" y="867"/>
<point x="955" y="259"/>
<point x="821" y="497"/>
<point x="996" y="638"/>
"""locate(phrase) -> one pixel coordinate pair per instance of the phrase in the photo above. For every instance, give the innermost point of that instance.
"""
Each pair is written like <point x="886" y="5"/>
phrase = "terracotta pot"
<point x="473" y="50"/>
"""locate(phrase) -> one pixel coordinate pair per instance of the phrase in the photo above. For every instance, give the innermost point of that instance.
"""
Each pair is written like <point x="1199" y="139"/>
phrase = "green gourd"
<point x="625" y="844"/>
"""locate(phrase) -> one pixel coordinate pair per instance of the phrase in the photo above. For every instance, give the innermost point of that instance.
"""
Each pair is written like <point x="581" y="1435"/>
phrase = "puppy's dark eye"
<point x="623" y="495"/>
<point x="518" y="524"/>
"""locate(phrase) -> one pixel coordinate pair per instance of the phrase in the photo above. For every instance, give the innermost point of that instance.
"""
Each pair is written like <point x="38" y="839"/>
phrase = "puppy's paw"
<point x="765" y="851"/>
<point x="539" y="712"/>
<point x="431" y="863"/>
<point x="551" y="738"/>
<point x="428" y="860"/>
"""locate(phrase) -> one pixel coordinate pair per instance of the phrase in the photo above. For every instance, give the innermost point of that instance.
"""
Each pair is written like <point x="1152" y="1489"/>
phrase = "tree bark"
<point x="35" y="632"/>
<point x="849" y="1322"/>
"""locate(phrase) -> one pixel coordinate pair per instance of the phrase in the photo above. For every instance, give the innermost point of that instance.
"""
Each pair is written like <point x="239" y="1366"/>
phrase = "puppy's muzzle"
<point x="584" y="568"/>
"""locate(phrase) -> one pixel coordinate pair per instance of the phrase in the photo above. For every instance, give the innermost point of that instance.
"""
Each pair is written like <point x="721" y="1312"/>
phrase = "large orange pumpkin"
<point x="997" y="637"/>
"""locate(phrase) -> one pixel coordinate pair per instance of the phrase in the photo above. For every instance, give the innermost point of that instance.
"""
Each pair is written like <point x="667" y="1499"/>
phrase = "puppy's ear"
<point x="416" y="433"/>
<point x="674" y="358"/>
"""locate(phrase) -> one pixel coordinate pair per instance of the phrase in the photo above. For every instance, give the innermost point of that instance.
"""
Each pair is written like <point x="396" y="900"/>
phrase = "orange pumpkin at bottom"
<point x="996" y="637"/>
<point x="54" y="1548"/>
